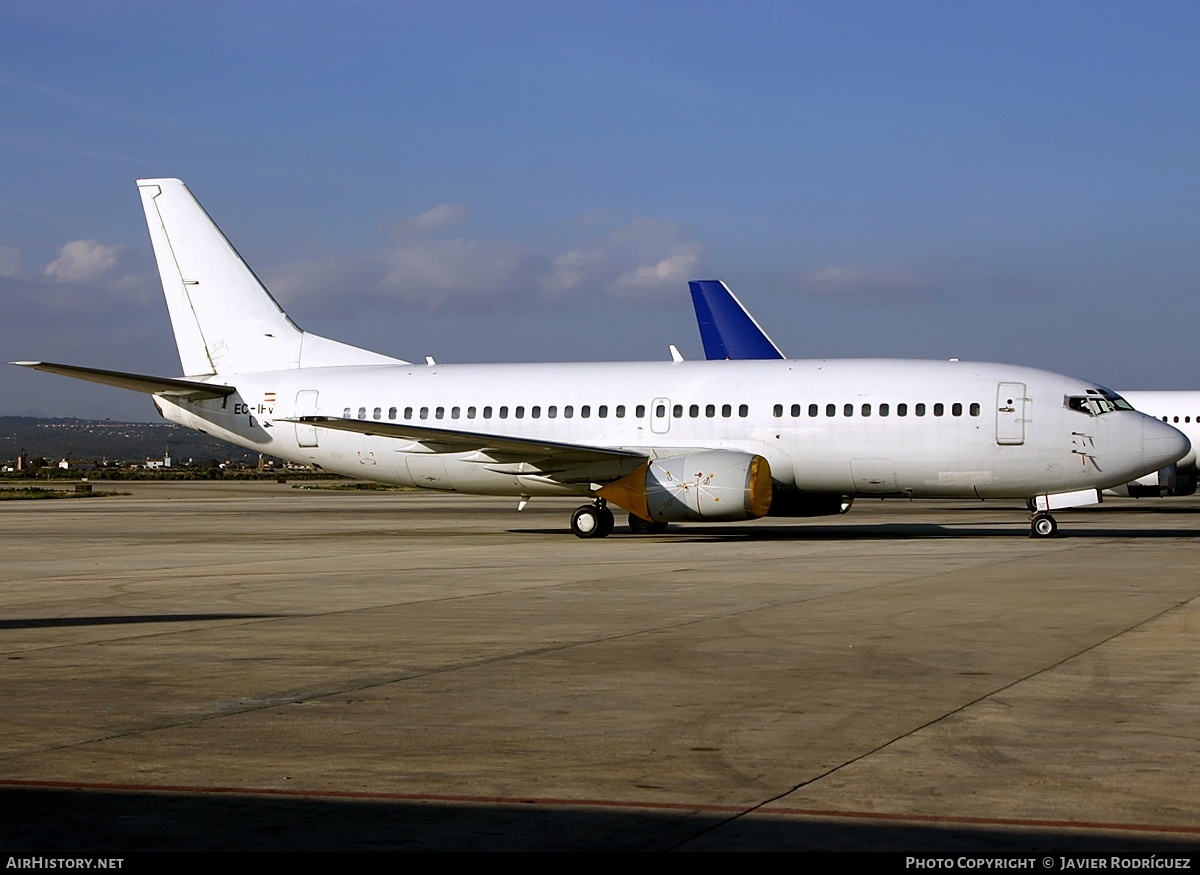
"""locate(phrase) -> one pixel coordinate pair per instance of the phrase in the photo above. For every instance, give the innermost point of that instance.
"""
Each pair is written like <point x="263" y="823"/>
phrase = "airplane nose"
<point x="1162" y="444"/>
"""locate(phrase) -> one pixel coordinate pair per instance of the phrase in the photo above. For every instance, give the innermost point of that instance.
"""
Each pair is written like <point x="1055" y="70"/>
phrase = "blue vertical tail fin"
<point x="727" y="329"/>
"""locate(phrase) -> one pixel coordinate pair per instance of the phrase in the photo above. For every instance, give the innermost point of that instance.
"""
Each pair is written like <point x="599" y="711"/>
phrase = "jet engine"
<point x="696" y="487"/>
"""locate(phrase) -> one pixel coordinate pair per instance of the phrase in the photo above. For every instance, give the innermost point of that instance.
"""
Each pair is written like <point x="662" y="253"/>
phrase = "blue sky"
<point x="537" y="181"/>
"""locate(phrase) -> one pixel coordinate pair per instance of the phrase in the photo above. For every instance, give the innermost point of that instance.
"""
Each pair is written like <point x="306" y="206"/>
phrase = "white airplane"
<point x="667" y="441"/>
<point x="1180" y="409"/>
<point x="729" y="331"/>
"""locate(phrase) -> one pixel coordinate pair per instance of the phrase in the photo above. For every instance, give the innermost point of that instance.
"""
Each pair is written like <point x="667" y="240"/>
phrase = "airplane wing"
<point x="726" y="326"/>
<point x="194" y="389"/>
<point x="515" y="448"/>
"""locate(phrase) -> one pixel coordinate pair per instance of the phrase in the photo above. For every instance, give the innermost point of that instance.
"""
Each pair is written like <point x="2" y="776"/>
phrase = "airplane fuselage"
<point x="853" y="427"/>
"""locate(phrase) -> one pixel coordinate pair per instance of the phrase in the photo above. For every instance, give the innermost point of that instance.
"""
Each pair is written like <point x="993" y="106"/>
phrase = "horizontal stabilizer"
<point x="193" y="389"/>
<point x="464" y="441"/>
<point x="727" y="329"/>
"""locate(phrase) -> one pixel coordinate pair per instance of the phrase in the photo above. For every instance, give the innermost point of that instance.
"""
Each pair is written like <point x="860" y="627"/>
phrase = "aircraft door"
<point x="1010" y="413"/>
<point x="660" y="415"/>
<point x="306" y="405"/>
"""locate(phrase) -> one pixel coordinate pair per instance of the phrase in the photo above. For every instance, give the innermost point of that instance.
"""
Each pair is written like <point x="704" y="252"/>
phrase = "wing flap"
<point x="529" y="450"/>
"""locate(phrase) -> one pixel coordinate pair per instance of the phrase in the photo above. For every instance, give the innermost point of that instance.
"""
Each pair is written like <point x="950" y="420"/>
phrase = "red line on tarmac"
<point x="609" y="803"/>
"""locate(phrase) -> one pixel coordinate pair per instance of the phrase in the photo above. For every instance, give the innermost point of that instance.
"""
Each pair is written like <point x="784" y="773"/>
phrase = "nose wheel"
<point x="593" y="520"/>
<point x="1043" y="525"/>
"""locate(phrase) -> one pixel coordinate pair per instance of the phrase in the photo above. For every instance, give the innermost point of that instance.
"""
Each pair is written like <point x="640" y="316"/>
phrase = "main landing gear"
<point x="1042" y="525"/>
<point x="593" y="520"/>
<point x="596" y="521"/>
<point x="639" y="526"/>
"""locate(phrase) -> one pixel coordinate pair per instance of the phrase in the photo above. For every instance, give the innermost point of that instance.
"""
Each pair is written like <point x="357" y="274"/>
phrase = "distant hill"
<point x="120" y="442"/>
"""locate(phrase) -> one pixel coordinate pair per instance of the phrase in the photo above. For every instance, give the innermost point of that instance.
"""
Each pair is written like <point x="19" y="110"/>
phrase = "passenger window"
<point x="660" y="411"/>
<point x="504" y="413"/>
<point x="551" y="412"/>
<point x="974" y="409"/>
<point x="956" y="409"/>
<point x="391" y="413"/>
<point x="694" y="411"/>
<point x="812" y="410"/>
<point x="902" y="410"/>
<point x="346" y="413"/>
<point x="568" y="412"/>
<point x="847" y="410"/>
<point x="439" y="413"/>
<point x="408" y="413"/>
<point x="726" y="411"/>
<point x="620" y="411"/>
<point x="640" y="411"/>
<point x="470" y="413"/>
<point x="535" y="412"/>
<point x="377" y="413"/>
<point x="795" y="410"/>
<point x="602" y="411"/>
<point x="883" y="409"/>
<point x="831" y="410"/>
<point x="939" y="409"/>
<point x="455" y="412"/>
<point x="710" y="410"/>
<point x="487" y="413"/>
<point x="777" y="410"/>
<point x="866" y="410"/>
<point x="743" y="410"/>
<point x="920" y="410"/>
<point x="362" y="413"/>
<point x="585" y="411"/>
<point x="519" y="412"/>
<point x="424" y="412"/>
<point x="677" y="411"/>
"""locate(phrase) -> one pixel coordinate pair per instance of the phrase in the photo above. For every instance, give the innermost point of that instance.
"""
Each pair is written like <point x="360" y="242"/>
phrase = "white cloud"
<point x="666" y="276"/>
<point x="573" y="269"/>
<point x="872" y="286"/>
<point x="82" y="260"/>
<point x="441" y="216"/>
<point x="646" y="259"/>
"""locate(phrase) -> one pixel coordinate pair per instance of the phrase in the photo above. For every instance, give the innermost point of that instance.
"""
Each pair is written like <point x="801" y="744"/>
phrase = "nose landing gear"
<point x="1042" y="525"/>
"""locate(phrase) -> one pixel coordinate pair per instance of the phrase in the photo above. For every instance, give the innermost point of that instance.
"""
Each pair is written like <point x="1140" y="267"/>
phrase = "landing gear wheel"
<point x="1043" y="526"/>
<point x="591" y="521"/>
<point x="639" y="526"/>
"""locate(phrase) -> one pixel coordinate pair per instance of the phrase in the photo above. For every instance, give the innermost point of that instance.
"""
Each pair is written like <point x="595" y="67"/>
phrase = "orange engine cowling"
<point x="697" y="487"/>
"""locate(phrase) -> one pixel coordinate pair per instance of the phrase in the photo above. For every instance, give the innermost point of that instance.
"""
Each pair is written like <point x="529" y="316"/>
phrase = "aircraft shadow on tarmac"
<point x="711" y="532"/>
<point x="66" y="622"/>
<point x="112" y="822"/>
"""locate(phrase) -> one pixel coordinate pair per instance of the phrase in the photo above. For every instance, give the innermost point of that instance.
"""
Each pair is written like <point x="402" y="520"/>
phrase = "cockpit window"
<point x="1096" y="405"/>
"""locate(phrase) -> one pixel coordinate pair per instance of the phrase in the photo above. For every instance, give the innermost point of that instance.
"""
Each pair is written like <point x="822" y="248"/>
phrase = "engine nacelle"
<point x="697" y="487"/>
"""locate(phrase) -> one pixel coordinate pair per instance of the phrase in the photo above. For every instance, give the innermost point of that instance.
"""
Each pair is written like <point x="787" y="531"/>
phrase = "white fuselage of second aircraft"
<point x="853" y="427"/>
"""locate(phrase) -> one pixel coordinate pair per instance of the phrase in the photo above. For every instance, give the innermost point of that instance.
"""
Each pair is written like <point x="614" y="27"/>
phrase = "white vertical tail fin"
<point x="224" y="318"/>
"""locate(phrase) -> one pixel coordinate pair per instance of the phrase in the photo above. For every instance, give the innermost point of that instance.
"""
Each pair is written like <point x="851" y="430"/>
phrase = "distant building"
<point x="164" y="462"/>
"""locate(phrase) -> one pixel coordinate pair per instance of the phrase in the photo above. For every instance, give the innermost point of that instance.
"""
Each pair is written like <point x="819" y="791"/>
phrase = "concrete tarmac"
<point x="259" y="667"/>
